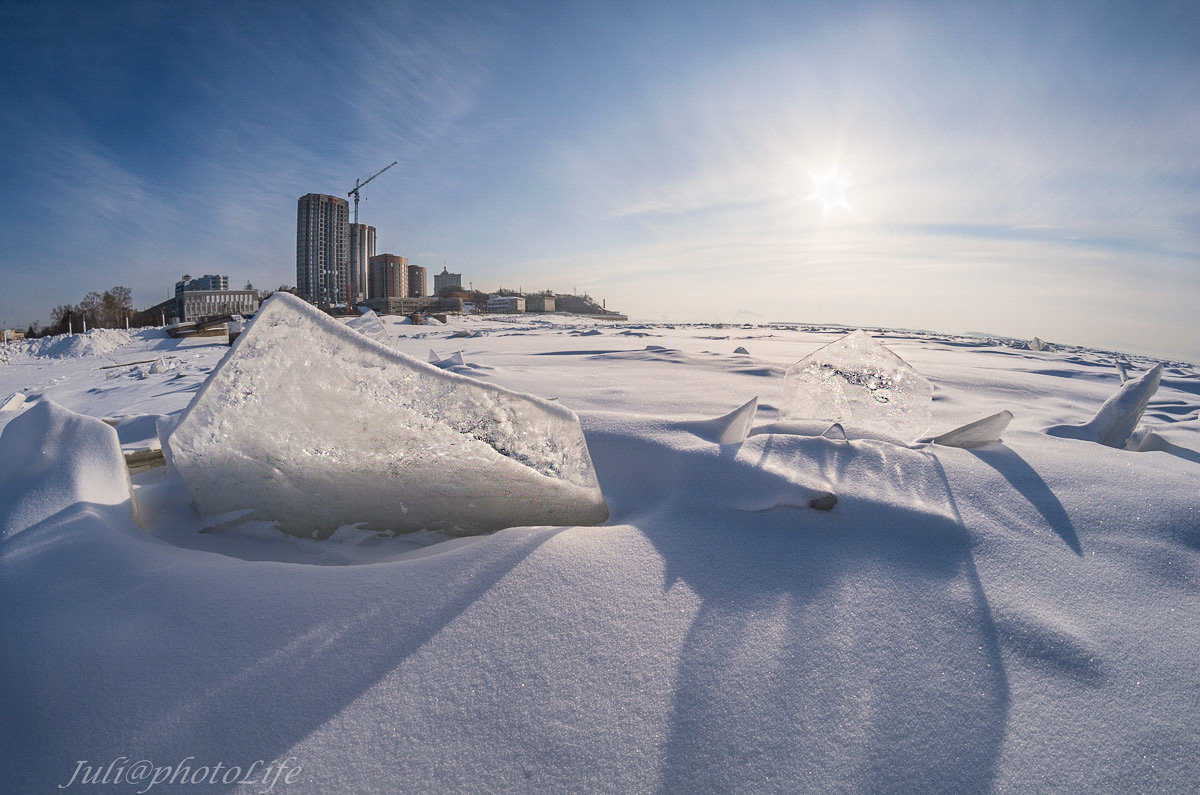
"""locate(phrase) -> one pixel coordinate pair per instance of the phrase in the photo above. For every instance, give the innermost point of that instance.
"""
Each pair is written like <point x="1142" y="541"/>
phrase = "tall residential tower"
<point x="323" y="249"/>
<point x="362" y="248"/>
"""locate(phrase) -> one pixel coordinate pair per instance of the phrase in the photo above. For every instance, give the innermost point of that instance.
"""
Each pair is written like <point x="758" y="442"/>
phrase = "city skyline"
<point x="1018" y="170"/>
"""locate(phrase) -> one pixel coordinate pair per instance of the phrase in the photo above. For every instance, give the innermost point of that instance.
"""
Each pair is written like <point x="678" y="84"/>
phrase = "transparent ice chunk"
<point x="369" y="324"/>
<point x="978" y="433"/>
<point x="861" y="384"/>
<point x="311" y="425"/>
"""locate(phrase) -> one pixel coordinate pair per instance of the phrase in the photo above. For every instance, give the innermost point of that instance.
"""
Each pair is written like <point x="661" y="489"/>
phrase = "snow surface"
<point x="1021" y="616"/>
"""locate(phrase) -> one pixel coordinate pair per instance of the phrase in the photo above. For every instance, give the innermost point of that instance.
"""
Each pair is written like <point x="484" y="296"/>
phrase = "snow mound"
<point x="860" y="383"/>
<point x="97" y="342"/>
<point x="314" y="426"/>
<point x="52" y="458"/>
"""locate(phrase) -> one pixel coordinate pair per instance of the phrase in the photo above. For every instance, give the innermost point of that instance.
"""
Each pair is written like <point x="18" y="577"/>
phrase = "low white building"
<point x="201" y="305"/>
<point x="505" y="304"/>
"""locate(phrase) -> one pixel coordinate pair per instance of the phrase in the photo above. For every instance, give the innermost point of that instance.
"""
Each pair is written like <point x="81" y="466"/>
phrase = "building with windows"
<point x="506" y="304"/>
<point x="323" y="249"/>
<point x="201" y="305"/>
<point x="446" y="281"/>
<point x="416" y="281"/>
<point x="388" y="276"/>
<point x="362" y="248"/>
<point x="209" y="281"/>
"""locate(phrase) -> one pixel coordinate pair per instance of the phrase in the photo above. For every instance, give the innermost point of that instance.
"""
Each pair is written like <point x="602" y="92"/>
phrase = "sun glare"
<point x="829" y="190"/>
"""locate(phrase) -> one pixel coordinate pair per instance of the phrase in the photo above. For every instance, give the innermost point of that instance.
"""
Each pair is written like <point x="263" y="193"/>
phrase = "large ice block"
<point x="861" y="384"/>
<point x="313" y="425"/>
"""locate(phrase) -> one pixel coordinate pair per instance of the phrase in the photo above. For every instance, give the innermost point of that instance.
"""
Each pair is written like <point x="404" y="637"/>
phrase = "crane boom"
<point x="360" y="183"/>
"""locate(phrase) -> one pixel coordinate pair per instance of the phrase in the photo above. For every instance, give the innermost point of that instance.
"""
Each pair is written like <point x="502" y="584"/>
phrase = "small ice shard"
<point x="52" y="458"/>
<point x="978" y="433"/>
<point x="731" y="428"/>
<point x="1038" y="345"/>
<point x="14" y="402"/>
<point x="369" y="324"/>
<point x="160" y="365"/>
<point x="1116" y="420"/>
<point x="1121" y="370"/>
<point x="463" y="333"/>
<point x="741" y="350"/>
<point x="453" y="360"/>
<point x="862" y="384"/>
<point x="312" y="425"/>
<point x="835" y="432"/>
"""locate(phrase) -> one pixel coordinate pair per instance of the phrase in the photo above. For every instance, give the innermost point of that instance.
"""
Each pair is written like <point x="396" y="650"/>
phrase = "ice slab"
<point x="52" y="458"/>
<point x="369" y="324"/>
<point x="314" y="426"/>
<point x="861" y="384"/>
<point x="453" y="360"/>
<point x="14" y="402"/>
<point x="978" y="433"/>
<point x="1116" y="420"/>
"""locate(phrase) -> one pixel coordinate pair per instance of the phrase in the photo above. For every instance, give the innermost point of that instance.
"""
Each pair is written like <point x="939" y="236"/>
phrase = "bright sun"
<point x="829" y="190"/>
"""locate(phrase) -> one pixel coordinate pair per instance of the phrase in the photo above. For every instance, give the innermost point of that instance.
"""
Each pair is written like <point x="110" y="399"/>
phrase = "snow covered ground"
<point x="1015" y="617"/>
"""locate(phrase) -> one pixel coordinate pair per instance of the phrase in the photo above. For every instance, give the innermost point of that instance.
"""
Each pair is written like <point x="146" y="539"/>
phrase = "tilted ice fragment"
<point x="1036" y="344"/>
<point x="860" y="383"/>
<point x="731" y="428"/>
<point x="976" y="433"/>
<point x="315" y="426"/>
<point x="835" y="432"/>
<point x="453" y="360"/>
<point x="14" y="402"/>
<point x="369" y="324"/>
<point x="1120" y="414"/>
<point x="1121" y="370"/>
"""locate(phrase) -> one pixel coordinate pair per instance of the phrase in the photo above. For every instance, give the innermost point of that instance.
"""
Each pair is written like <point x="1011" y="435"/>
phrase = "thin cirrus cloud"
<point x="1019" y="168"/>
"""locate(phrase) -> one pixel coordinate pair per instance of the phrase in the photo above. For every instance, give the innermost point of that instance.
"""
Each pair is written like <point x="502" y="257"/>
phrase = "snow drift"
<point x="52" y="458"/>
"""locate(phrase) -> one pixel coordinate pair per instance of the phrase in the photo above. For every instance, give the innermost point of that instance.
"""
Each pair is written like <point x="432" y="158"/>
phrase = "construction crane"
<point x="362" y="183"/>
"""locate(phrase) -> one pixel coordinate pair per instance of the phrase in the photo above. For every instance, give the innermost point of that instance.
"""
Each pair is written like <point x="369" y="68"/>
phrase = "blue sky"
<point x="1013" y="168"/>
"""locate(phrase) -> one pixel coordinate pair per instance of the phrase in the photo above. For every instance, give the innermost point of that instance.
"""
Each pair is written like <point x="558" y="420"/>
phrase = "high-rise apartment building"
<point x="362" y="248"/>
<point x="389" y="276"/>
<point x="416" y="281"/>
<point x="323" y="248"/>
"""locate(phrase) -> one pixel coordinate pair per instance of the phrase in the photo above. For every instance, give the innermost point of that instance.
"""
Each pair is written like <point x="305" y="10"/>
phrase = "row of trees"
<point x="112" y="308"/>
<point x="109" y="309"/>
